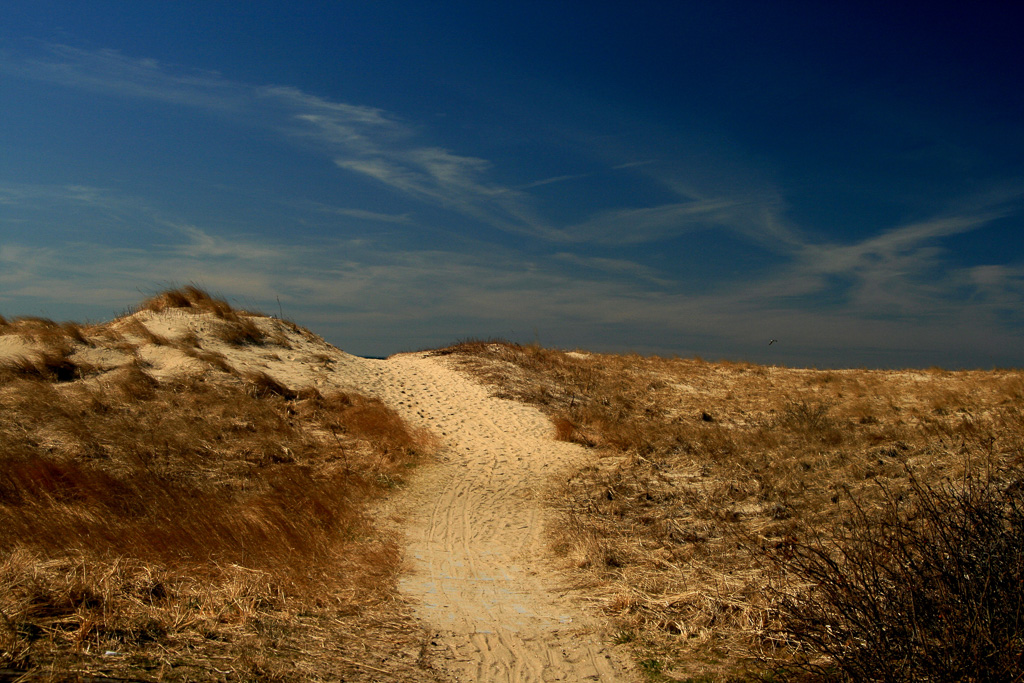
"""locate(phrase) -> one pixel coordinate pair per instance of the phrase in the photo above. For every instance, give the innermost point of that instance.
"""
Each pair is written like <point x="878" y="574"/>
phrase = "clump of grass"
<point x="45" y="332"/>
<point x="137" y="328"/>
<point x="235" y="327"/>
<point x="364" y="418"/>
<point x="188" y="339"/>
<point x="190" y="297"/>
<point x="214" y="359"/>
<point x="670" y="520"/>
<point x="239" y="332"/>
<point x="53" y="364"/>
<point x="262" y="385"/>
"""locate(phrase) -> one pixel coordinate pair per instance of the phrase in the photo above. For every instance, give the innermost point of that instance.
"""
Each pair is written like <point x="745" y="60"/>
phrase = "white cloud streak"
<point x="651" y="224"/>
<point x="363" y="140"/>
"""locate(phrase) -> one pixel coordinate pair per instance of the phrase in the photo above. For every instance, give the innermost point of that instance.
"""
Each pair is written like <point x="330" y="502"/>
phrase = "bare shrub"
<point x="926" y="589"/>
<point x="811" y="420"/>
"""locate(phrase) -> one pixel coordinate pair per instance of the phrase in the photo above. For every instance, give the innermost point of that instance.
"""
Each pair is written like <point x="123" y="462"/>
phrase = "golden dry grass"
<point x="702" y="471"/>
<point x="210" y="526"/>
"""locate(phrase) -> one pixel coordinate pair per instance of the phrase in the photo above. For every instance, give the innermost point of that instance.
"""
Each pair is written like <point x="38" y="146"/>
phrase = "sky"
<point x="680" y="179"/>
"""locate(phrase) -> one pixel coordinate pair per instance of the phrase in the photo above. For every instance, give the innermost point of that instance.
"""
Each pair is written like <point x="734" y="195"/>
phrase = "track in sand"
<point x="475" y="528"/>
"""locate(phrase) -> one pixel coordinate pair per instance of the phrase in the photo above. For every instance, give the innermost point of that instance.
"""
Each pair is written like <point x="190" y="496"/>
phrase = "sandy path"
<point x="475" y="524"/>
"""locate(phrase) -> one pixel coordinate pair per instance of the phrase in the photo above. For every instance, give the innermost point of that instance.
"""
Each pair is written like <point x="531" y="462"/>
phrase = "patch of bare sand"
<point x="475" y="521"/>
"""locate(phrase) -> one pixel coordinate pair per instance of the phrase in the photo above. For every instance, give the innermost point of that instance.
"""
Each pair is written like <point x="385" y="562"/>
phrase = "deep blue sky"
<point x="847" y="178"/>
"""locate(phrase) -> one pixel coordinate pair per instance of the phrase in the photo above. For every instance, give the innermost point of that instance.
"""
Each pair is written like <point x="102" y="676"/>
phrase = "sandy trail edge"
<point x="474" y="524"/>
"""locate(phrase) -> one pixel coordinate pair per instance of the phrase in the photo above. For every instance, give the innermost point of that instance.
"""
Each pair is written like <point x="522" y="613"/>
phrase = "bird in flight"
<point x="772" y="342"/>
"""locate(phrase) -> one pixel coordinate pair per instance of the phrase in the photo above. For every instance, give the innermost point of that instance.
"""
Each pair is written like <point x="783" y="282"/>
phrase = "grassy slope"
<point x="705" y="472"/>
<point x="210" y="526"/>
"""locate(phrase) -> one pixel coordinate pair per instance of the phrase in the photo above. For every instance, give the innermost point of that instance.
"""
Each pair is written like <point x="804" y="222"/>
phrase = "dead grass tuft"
<point x="189" y="297"/>
<point x="262" y="385"/>
<point x="235" y="327"/>
<point x="239" y="332"/>
<point x="371" y="420"/>
<point x="136" y="328"/>
<point x="214" y="359"/>
<point x="51" y="365"/>
<point x="45" y="332"/>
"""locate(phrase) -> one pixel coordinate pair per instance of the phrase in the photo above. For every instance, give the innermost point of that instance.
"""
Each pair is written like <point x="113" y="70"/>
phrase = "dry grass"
<point x="44" y="331"/>
<point x="190" y="297"/>
<point x="703" y="470"/>
<point x="204" y="527"/>
<point x="235" y="327"/>
<point x="50" y="345"/>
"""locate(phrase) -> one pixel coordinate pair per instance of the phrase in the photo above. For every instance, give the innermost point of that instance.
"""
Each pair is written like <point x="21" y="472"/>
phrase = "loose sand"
<point x="475" y="524"/>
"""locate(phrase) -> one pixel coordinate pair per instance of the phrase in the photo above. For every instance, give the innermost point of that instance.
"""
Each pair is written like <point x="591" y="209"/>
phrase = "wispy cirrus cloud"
<point x="363" y="140"/>
<point x="362" y="214"/>
<point x="109" y="71"/>
<point x="379" y="146"/>
<point x="554" y="180"/>
<point x="585" y="277"/>
<point x="904" y="273"/>
<point x="891" y="246"/>
<point x="651" y="223"/>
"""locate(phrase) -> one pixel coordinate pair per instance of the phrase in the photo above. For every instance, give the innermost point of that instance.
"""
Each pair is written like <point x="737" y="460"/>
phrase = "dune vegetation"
<point x="187" y="493"/>
<point x="749" y="522"/>
<point x="208" y="524"/>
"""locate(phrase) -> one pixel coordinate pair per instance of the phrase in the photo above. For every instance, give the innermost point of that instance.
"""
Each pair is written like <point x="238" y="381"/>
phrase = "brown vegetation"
<point x="190" y="297"/>
<point x="209" y="526"/>
<point x="234" y="327"/>
<point x="710" y="478"/>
